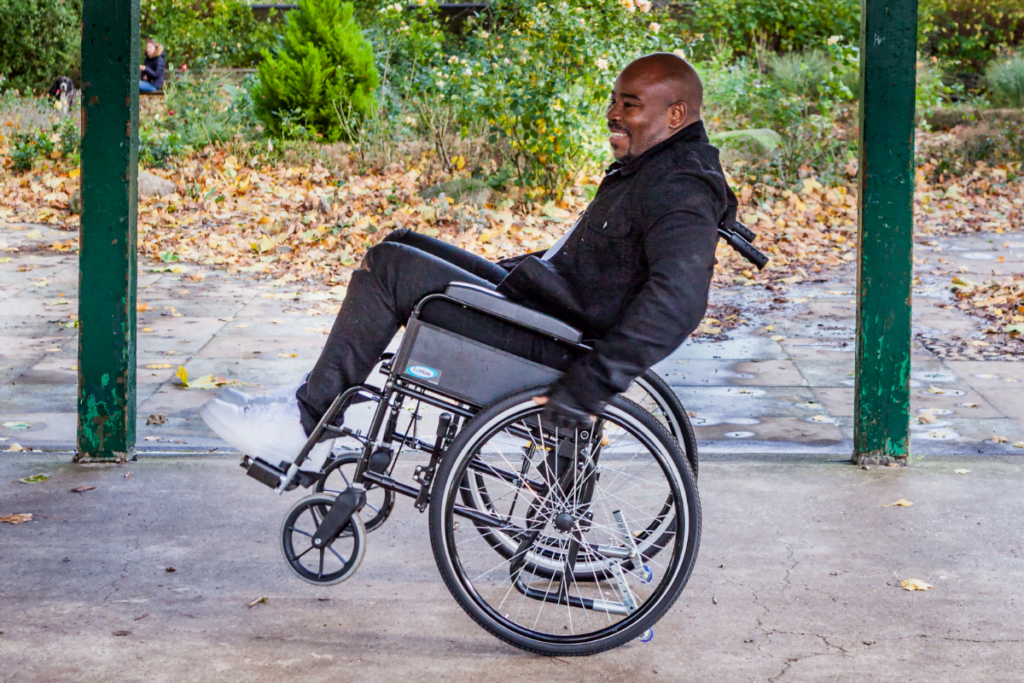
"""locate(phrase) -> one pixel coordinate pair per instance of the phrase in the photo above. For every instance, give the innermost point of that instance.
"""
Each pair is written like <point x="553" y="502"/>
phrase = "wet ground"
<point x="755" y="391"/>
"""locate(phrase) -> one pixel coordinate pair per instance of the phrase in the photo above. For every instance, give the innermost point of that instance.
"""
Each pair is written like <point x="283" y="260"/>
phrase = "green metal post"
<point x="882" y="393"/>
<point x="107" y="263"/>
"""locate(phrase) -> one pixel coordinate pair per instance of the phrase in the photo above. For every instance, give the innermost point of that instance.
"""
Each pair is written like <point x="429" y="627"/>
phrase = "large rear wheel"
<point x="604" y="525"/>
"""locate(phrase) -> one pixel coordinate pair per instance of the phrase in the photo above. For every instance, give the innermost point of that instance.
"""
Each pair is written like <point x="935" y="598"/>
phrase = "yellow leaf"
<point x="147" y="329"/>
<point x="915" y="585"/>
<point x="926" y="418"/>
<point x="1018" y="444"/>
<point x="204" y="382"/>
<point x="19" y="518"/>
<point x="932" y="389"/>
<point x="15" y="448"/>
<point x="287" y="355"/>
<point x="182" y="374"/>
<point x="962" y="471"/>
<point x="159" y="366"/>
<point x="777" y="338"/>
<point x="901" y="503"/>
<point x="999" y="439"/>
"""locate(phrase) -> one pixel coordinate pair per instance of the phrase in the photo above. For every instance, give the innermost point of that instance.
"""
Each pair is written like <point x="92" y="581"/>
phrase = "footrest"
<point x="262" y="471"/>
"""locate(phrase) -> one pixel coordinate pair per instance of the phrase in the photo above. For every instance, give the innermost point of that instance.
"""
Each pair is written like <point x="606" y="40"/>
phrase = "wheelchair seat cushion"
<point x="497" y="305"/>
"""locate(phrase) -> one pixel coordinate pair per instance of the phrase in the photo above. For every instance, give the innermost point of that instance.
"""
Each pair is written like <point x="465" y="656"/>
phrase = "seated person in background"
<point x="153" y="68"/>
<point x="633" y="274"/>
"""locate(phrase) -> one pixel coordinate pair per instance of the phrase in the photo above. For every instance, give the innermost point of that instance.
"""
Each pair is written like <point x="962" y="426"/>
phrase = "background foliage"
<point x="39" y="41"/>
<point x="321" y="76"/>
<point x="206" y="32"/>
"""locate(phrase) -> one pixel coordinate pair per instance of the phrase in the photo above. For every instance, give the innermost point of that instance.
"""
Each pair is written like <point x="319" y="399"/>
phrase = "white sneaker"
<point x="240" y="398"/>
<point x="269" y="430"/>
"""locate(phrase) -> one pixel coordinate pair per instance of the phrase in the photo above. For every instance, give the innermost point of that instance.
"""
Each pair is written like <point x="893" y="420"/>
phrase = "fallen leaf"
<point x="15" y="448"/>
<point x="82" y="489"/>
<point x="258" y="601"/>
<point x="934" y="390"/>
<point x="153" y="438"/>
<point x="17" y="425"/>
<point x="19" y="518"/>
<point x="915" y="585"/>
<point x="901" y="503"/>
<point x="159" y="366"/>
<point x="158" y="419"/>
<point x="820" y="418"/>
<point x="999" y="439"/>
<point x="1018" y="444"/>
<point x="170" y="570"/>
<point x="122" y="633"/>
<point x="962" y="471"/>
<point x="147" y="329"/>
<point x="35" y="479"/>
<point x="182" y="374"/>
<point x="969" y="405"/>
<point x="926" y="418"/>
<point x="287" y="355"/>
<point x="777" y="338"/>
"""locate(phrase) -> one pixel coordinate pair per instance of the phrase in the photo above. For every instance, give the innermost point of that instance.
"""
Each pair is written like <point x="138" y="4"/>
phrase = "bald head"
<point x="654" y="97"/>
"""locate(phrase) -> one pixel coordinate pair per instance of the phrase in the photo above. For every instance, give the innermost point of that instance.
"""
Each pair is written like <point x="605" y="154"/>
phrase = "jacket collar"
<point x="692" y="133"/>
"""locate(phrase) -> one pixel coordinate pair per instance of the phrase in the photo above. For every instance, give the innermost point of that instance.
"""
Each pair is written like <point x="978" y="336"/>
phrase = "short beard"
<point x="626" y="158"/>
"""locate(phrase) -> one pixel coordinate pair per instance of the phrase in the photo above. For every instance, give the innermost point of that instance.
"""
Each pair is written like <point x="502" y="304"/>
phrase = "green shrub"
<point x="1005" y="81"/>
<point x="969" y="33"/>
<point x="800" y="73"/>
<point x="322" y="75"/>
<point x="794" y="25"/>
<point x="542" y="83"/>
<point x="206" y="32"/>
<point x="39" y="42"/>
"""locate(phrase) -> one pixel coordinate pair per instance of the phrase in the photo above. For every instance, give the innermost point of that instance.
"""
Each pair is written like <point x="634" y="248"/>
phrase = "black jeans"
<point x="393" y="277"/>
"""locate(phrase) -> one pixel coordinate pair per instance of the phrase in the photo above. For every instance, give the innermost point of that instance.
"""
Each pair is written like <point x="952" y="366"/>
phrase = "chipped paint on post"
<point x="107" y="263"/>
<point x="882" y="393"/>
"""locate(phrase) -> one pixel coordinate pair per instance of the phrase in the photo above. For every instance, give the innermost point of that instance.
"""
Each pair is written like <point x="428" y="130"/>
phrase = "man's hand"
<point x="560" y="410"/>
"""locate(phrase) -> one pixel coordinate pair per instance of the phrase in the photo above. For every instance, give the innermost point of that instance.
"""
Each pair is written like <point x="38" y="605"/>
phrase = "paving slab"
<point x="752" y="390"/>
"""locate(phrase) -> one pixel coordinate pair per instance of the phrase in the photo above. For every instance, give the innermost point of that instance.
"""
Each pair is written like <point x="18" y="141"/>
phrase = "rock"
<point x="461" y="190"/>
<point x="748" y="145"/>
<point x="154" y="186"/>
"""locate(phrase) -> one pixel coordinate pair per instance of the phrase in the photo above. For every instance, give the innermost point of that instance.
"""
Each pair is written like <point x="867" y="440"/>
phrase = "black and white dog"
<point x="63" y="91"/>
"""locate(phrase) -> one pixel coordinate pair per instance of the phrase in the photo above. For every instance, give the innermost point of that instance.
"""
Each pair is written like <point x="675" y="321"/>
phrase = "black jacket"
<point x="634" y="274"/>
<point x="154" y="71"/>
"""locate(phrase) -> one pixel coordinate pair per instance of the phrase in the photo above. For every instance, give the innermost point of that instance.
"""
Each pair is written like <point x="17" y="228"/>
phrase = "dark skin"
<point x="654" y="98"/>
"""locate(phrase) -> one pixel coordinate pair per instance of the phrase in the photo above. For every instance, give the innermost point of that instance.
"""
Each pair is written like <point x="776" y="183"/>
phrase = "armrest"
<point x="489" y="301"/>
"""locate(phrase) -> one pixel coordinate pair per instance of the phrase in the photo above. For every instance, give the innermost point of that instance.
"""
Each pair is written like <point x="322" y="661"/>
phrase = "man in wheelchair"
<point x="632" y="274"/>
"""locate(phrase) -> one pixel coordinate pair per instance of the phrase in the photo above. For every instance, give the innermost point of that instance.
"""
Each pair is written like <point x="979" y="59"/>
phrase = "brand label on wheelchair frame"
<point x="423" y="372"/>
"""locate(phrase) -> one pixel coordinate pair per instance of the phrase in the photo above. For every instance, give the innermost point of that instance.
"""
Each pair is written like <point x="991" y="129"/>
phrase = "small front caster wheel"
<point x="647" y="636"/>
<point x="331" y="564"/>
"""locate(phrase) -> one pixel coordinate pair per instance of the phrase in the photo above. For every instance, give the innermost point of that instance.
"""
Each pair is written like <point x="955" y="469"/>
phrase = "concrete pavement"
<point x="797" y="580"/>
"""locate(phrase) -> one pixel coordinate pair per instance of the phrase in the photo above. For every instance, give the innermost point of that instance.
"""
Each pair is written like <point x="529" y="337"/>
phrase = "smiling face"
<point x="150" y="48"/>
<point x="651" y="101"/>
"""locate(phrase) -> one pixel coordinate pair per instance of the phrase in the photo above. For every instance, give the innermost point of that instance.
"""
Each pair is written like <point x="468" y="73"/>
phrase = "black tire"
<point x="673" y="415"/>
<point x="299" y="524"/>
<point x="379" y="502"/>
<point x="674" y="570"/>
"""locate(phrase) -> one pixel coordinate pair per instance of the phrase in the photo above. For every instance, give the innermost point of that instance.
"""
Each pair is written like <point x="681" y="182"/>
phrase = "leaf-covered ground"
<point x="308" y="226"/>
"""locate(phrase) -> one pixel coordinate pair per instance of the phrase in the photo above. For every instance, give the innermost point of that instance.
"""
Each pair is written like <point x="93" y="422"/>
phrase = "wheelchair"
<point x="560" y="542"/>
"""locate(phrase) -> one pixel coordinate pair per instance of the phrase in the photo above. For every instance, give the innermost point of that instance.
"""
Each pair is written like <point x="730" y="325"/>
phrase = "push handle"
<point x="739" y="237"/>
